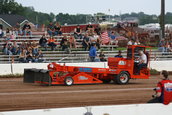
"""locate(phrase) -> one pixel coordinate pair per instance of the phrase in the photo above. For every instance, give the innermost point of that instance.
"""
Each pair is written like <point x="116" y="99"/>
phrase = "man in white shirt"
<point x="142" y="61"/>
<point x="130" y="42"/>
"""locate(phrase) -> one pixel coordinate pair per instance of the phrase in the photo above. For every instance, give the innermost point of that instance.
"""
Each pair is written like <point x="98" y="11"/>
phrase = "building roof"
<point x="12" y="19"/>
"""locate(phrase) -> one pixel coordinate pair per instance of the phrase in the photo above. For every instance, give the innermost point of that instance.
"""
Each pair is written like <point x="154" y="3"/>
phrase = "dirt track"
<point x="16" y="95"/>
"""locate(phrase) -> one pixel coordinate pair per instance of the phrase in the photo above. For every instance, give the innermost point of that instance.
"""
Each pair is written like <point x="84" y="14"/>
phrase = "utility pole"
<point x="162" y="18"/>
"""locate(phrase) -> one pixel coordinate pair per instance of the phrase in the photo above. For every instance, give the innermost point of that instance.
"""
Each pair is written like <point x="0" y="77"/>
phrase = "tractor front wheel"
<point x="68" y="81"/>
<point x="122" y="78"/>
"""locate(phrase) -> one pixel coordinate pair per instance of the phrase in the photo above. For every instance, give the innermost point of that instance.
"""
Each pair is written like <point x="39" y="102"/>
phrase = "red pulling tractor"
<point x="120" y="70"/>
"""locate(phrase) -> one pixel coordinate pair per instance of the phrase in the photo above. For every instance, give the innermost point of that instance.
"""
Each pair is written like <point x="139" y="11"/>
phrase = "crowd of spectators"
<point x="27" y="52"/>
<point x="165" y="46"/>
<point x="17" y="30"/>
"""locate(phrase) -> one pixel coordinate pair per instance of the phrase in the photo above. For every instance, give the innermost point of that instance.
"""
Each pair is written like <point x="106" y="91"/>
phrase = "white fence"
<point x="19" y="68"/>
<point x="135" y="109"/>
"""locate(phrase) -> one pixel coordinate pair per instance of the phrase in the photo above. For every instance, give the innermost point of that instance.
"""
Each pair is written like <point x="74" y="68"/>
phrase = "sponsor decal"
<point x="168" y="87"/>
<point x="85" y="69"/>
<point x="121" y="63"/>
<point x="101" y="70"/>
<point x="83" y="78"/>
<point x="112" y="70"/>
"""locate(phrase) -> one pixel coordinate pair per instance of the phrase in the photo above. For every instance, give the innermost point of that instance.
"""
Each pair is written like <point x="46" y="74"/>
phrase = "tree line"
<point x="12" y="7"/>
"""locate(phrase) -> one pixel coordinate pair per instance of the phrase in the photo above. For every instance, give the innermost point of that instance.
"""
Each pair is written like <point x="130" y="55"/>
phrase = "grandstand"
<point x="76" y="55"/>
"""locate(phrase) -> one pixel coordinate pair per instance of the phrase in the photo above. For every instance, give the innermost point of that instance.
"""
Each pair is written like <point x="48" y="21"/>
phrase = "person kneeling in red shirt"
<point x="163" y="90"/>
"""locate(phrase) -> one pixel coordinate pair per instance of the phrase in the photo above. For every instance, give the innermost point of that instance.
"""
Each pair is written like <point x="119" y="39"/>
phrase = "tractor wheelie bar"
<point x="120" y="70"/>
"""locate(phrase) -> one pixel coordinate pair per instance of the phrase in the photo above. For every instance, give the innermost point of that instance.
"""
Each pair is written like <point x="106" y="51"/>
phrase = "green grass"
<point x="121" y="48"/>
<point x="154" y="72"/>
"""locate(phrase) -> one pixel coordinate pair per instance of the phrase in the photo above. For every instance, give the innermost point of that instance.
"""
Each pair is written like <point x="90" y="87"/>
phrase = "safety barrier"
<point x="135" y="109"/>
<point x="19" y="68"/>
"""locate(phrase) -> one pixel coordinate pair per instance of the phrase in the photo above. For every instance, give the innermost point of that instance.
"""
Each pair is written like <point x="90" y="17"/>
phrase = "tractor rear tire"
<point x="68" y="81"/>
<point x="122" y="78"/>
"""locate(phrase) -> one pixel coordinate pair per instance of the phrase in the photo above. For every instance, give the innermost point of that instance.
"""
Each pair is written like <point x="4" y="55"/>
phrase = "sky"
<point x="94" y="6"/>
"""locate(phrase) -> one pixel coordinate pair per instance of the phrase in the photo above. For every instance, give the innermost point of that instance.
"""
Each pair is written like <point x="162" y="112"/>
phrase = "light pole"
<point x="162" y="18"/>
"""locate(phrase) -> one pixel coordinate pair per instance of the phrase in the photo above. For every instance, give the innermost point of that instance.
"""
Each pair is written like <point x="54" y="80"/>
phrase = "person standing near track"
<point x="93" y="52"/>
<point x="163" y="90"/>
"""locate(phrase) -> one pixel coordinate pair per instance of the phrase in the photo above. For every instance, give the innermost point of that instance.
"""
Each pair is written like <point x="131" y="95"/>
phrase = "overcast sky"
<point x="94" y="6"/>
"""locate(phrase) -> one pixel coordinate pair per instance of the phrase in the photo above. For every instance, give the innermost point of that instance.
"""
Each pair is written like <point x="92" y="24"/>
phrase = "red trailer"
<point x="120" y="70"/>
<point x="70" y="28"/>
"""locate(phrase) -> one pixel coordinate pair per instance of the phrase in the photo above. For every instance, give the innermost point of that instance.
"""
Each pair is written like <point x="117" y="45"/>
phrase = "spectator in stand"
<point x="34" y="48"/>
<point x="97" y="30"/>
<point x="23" y="45"/>
<point x="64" y="39"/>
<point x="29" y="56"/>
<point x="102" y="57"/>
<point x="64" y="44"/>
<point x="119" y="54"/>
<point x="27" y="29"/>
<point x="14" y="48"/>
<point x="112" y="35"/>
<point x="161" y="46"/>
<point x="43" y="42"/>
<point x="77" y="32"/>
<point x="57" y="29"/>
<point x="113" y="38"/>
<point x="51" y="43"/>
<point x="39" y="57"/>
<point x="86" y="42"/>
<point x="93" y="52"/>
<point x="13" y="34"/>
<point x="22" y="56"/>
<point x="89" y="27"/>
<point x="18" y="30"/>
<point x="130" y="42"/>
<point x="167" y="45"/>
<point x="170" y="47"/>
<point x="72" y="42"/>
<point x="95" y="39"/>
<point x="28" y="45"/>
<point x="6" y="49"/>
<point x="8" y="34"/>
<point x="65" y="47"/>
<point x="137" y="42"/>
<point x="18" y="51"/>
<point x="1" y="31"/>
<point x="50" y="29"/>
<point x="98" y="41"/>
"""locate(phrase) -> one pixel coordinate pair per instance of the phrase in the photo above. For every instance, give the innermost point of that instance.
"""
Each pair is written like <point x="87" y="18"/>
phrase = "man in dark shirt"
<point x="86" y="42"/>
<point x="57" y="29"/>
<point x="27" y="29"/>
<point x="89" y="27"/>
<point x="50" y="29"/>
<point x="119" y="54"/>
<point x="97" y="30"/>
<point x="43" y="42"/>
<point x="77" y="32"/>
<point x="102" y="56"/>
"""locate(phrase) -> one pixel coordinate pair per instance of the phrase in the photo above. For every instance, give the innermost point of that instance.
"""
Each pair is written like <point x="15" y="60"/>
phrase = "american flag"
<point x="105" y="38"/>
